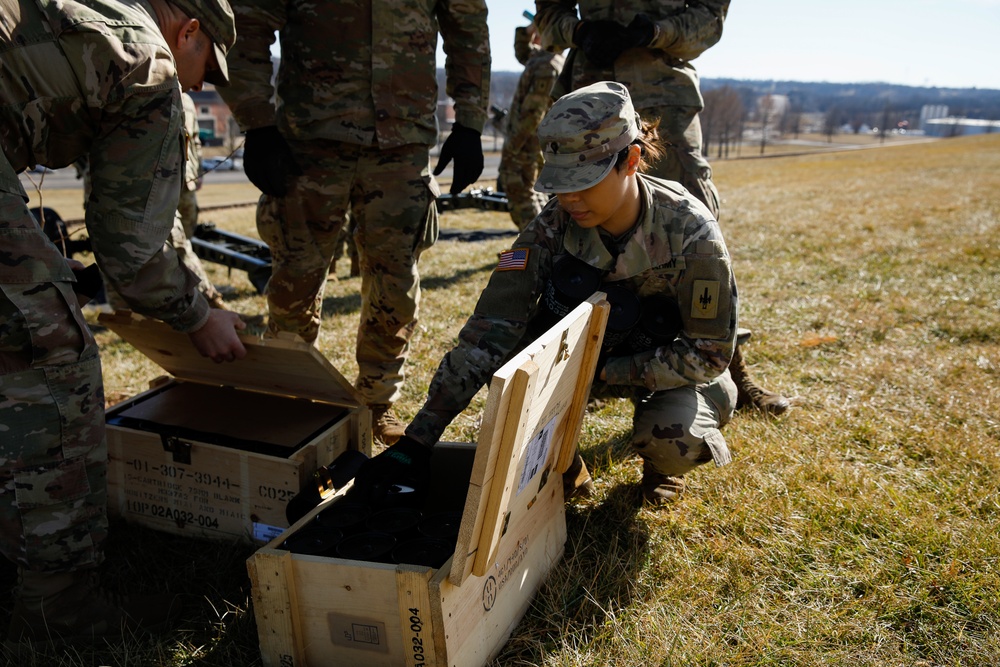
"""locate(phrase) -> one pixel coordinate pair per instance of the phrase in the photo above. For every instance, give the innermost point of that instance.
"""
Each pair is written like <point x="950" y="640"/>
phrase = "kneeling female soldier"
<point x="644" y="239"/>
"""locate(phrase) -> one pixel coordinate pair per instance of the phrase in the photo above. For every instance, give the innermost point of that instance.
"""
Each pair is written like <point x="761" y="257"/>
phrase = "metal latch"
<point x="181" y="450"/>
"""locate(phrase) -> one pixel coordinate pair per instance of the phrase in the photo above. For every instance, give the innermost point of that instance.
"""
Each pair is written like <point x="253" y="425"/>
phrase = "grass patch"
<point x="859" y="529"/>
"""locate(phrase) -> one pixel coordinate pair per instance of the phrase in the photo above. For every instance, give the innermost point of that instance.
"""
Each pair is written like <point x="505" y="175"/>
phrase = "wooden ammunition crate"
<point x="323" y="610"/>
<point x="217" y="450"/>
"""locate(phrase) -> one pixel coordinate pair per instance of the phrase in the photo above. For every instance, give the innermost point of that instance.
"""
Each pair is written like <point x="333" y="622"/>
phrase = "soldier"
<point x="101" y="79"/>
<point x="647" y="239"/>
<point x="648" y="45"/>
<point x="521" y="158"/>
<point x="347" y="132"/>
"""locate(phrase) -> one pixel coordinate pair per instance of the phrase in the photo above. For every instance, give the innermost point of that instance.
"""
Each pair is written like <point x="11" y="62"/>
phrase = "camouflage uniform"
<point x="521" y="159"/>
<point x="682" y="391"/>
<point x="358" y="110"/>
<point x="96" y="80"/>
<point x="661" y="78"/>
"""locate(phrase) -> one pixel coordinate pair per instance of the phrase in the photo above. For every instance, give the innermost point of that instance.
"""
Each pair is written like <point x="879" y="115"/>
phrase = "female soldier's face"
<point x="612" y="204"/>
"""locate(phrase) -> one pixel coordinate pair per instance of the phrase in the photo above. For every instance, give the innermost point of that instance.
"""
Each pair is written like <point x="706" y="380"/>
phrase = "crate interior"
<point x="406" y="528"/>
<point x="239" y="419"/>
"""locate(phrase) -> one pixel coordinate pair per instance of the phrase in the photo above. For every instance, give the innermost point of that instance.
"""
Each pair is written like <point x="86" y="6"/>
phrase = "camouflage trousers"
<point x="389" y="196"/>
<point x="53" y="473"/>
<point x="677" y="430"/>
<point x="680" y="130"/>
<point x="518" y="175"/>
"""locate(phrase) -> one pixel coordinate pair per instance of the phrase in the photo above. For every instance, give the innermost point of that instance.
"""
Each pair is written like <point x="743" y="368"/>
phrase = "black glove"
<point x="466" y="146"/>
<point x="642" y="30"/>
<point x="603" y="41"/>
<point x="405" y="464"/>
<point x="268" y="161"/>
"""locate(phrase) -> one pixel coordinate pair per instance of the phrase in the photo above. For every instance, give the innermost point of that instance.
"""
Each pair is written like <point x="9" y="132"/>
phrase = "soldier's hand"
<point x="268" y="161"/>
<point x="406" y="463"/>
<point x="466" y="147"/>
<point x="217" y="338"/>
<point x="602" y="41"/>
<point x="642" y="30"/>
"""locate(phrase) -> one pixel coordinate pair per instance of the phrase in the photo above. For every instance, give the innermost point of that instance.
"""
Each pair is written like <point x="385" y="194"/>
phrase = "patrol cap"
<point x="582" y="134"/>
<point x="216" y="19"/>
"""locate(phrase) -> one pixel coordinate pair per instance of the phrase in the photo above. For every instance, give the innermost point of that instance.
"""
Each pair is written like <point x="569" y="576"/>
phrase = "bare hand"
<point x="217" y="338"/>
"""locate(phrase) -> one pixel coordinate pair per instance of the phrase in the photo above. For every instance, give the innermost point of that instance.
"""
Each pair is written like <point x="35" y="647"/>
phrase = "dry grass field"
<point x="858" y="529"/>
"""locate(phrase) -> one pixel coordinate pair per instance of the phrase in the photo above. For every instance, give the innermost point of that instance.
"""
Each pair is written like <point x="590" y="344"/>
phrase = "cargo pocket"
<point x="78" y="392"/>
<point x="716" y="443"/>
<point x="54" y="322"/>
<point x="428" y="234"/>
<point x="60" y="513"/>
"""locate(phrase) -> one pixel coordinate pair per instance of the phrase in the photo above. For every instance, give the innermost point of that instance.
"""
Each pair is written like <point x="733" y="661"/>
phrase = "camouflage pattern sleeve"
<point x="466" y="41"/>
<point x="693" y="31"/>
<point x="249" y="93"/>
<point x="495" y="330"/>
<point x="136" y="167"/>
<point x="556" y="21"/>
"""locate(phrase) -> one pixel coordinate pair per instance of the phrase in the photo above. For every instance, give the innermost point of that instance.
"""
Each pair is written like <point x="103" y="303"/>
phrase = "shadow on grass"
<point x="606" y="549"/>
<point x="210" y="585"/>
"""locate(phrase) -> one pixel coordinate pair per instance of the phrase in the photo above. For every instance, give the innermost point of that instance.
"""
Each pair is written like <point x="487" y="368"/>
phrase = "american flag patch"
<point x="513" y="260"/>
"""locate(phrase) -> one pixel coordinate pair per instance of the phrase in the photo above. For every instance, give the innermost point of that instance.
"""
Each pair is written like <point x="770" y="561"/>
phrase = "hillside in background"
<point x="846" y="99"/>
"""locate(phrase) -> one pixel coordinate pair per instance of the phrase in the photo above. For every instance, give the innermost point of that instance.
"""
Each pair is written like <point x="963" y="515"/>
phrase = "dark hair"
<point x="648" y="143"/>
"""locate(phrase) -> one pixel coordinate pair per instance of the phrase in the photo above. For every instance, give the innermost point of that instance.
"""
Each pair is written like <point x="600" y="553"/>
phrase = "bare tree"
<point x="765" y="105"/>
<point x="831" y="122"/>
<point x="722" y="120"/>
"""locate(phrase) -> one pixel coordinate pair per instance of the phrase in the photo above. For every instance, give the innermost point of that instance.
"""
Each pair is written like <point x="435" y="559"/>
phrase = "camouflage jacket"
<point x="657" y="76"/>
<point x="358" y="72"/>
<point x="96" y="79"/>
<point x="532" y="98"/>
<point x="675" y="251"/>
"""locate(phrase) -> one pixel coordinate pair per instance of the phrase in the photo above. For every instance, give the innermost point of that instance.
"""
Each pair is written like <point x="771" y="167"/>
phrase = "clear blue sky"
<point x="944" y="43"/>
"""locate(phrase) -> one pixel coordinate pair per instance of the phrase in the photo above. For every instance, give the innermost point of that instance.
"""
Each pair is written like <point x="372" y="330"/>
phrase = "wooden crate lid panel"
<point x="530" y="427"/>
<point x="272" y="365"/>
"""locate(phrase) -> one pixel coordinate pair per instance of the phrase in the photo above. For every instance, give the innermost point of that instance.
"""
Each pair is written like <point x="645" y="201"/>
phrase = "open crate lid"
<point x="288" y="367"/>
<point x="528" y="437"/>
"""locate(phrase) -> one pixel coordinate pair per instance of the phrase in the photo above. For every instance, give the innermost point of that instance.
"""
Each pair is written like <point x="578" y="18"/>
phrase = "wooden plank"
<point x="272" y="365"/>
<point x="584" y="380"/>
<point x="275" y="607"/>
<point x="416" y="616"/>
<point x="514" y="425"/>
<point x="483" y="469"/>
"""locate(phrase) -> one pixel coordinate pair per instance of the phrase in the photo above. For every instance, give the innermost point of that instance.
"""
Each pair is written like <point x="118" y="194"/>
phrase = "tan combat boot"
<point x="386" y="427"/>
<point x="577" y="482"/>
<point x="659" y="489"/>
<point x="72" y="607"/>
<point x="749" y="393"/>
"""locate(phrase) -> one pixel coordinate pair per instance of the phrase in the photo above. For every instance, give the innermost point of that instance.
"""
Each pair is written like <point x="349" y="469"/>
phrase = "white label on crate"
<point x="538" y="453"/>
<point x="265" y="533"/>
<point x="363" y="633"/>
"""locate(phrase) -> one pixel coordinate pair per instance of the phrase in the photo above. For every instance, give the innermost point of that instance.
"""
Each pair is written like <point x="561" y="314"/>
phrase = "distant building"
<point x="215" y="121"/>
<point x="932" y="111"/>
<point x="958" y="127"/>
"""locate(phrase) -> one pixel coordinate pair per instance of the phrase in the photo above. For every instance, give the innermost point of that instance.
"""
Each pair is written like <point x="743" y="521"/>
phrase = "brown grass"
<point x="859" y="529"/>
